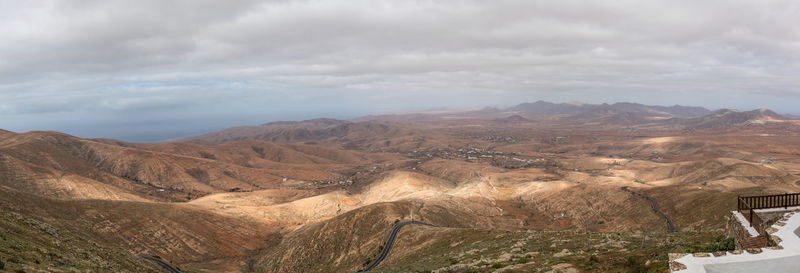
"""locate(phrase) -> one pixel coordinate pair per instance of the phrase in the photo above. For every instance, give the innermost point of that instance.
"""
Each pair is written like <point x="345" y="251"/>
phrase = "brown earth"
<point x="320" y="195"/>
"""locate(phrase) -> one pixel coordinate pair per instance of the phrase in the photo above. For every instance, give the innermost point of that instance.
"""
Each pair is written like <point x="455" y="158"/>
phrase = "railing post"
<point x="786" y="200"/>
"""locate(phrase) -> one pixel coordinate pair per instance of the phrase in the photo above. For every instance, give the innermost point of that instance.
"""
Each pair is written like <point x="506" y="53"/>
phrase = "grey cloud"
<point x="99" y="56"/>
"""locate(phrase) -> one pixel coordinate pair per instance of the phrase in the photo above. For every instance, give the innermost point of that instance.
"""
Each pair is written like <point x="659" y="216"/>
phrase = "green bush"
<point x="636" y="264"/>
<point x="453" y="260"/>
<point x="631" y="261"/>
<point x="728" y="244"/>
<point x="497" y="265"/>
<point x="641" y="268"/>
<point x="721" y="245"/>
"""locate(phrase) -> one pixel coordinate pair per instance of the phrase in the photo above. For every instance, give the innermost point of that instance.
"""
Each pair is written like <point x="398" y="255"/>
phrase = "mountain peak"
<point x="513" y="118"/>
<point x="731" y="117"/>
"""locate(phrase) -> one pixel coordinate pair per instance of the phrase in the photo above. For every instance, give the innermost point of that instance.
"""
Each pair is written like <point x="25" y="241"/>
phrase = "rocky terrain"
<point x="535" y="187"/>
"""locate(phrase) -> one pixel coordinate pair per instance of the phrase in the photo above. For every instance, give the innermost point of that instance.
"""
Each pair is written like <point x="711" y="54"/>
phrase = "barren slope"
<point x="31" y="245"/>
<point x="61" y="162"/>
<point x="176" y="233"/>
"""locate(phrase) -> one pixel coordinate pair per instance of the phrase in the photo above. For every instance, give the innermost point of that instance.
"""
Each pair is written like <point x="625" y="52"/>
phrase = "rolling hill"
<point x="508" y="189"/>
<point x="59" y="165"/>
<point x="177" y="233"/>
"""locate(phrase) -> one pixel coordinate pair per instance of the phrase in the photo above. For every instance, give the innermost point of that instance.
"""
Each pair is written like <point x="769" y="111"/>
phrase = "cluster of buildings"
<point x="496" y="158"/>
<point x="494" y="138"/>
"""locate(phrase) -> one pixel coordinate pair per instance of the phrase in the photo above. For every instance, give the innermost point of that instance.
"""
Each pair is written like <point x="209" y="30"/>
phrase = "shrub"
<point x="2" y="265"/>
<point x="727" y="244"/>
<point x="199" y="174"/>
<point x="635" y="265"/>
<point x="720" y="245"/>
<point x="208" y="155"/>
<point x="631" y="261"/>
<point x="640" y="269"/>
<point x="259" y="151"/>
<point x="497" y="265"/>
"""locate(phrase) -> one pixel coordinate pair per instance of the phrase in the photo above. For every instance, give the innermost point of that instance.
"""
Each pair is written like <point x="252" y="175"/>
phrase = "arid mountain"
<point x="733" y="118"/>
<point x="281" y="132"/>
<point x="543" y="108"/>
<point x="58" y="165"/>
<point x="130" y="170"/>
<point x="404" y="132"/>
<point x="5" y="134"/>
<point x="369" y="136"/>
<point x="321" y="195"/>
<point x="512" y="119"/>
<point x="177" y="233"/>
<point x="31" y="245"/>
<point x="651" y="117"/>
<point x="548" y="110"/>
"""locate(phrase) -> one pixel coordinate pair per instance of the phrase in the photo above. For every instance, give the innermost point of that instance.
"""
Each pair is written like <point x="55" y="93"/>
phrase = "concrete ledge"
<point x="782" y="258"/>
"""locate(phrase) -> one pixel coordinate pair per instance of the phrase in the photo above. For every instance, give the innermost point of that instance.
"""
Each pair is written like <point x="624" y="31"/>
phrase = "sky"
<point x="150" y="70"/>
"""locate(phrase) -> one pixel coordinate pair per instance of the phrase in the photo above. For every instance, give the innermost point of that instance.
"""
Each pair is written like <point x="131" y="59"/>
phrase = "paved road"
<point x="390" y="241"/>
<point x="162" y="263"/>
<point x="655" y="207"/>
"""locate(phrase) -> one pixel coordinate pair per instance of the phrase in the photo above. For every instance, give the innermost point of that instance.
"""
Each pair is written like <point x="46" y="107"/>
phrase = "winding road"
<point x="655" y="207"/>
<point x="162" y="263"/>
<point x="390" y="241"/>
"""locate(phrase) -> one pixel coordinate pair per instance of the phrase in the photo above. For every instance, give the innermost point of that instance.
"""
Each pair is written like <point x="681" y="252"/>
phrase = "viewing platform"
<point x="766" y="230"/>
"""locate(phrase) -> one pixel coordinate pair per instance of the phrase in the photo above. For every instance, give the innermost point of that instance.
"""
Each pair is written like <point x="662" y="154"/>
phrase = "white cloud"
<point x="93" y="55"/>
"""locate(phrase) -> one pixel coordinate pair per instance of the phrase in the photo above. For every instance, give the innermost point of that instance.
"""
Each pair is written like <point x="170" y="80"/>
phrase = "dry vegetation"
<point x="509" y="189"/>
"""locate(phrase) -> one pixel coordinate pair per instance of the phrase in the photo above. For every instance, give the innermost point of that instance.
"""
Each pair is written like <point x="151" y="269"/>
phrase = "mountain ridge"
<point x="356" y="132"/>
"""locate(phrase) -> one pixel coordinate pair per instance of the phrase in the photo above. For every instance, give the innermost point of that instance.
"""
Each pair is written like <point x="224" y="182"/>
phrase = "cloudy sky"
<point x="150" y="70"/>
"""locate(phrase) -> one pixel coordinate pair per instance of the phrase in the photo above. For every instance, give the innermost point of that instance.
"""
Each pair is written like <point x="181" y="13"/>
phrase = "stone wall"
<point x="735" y="230"/>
